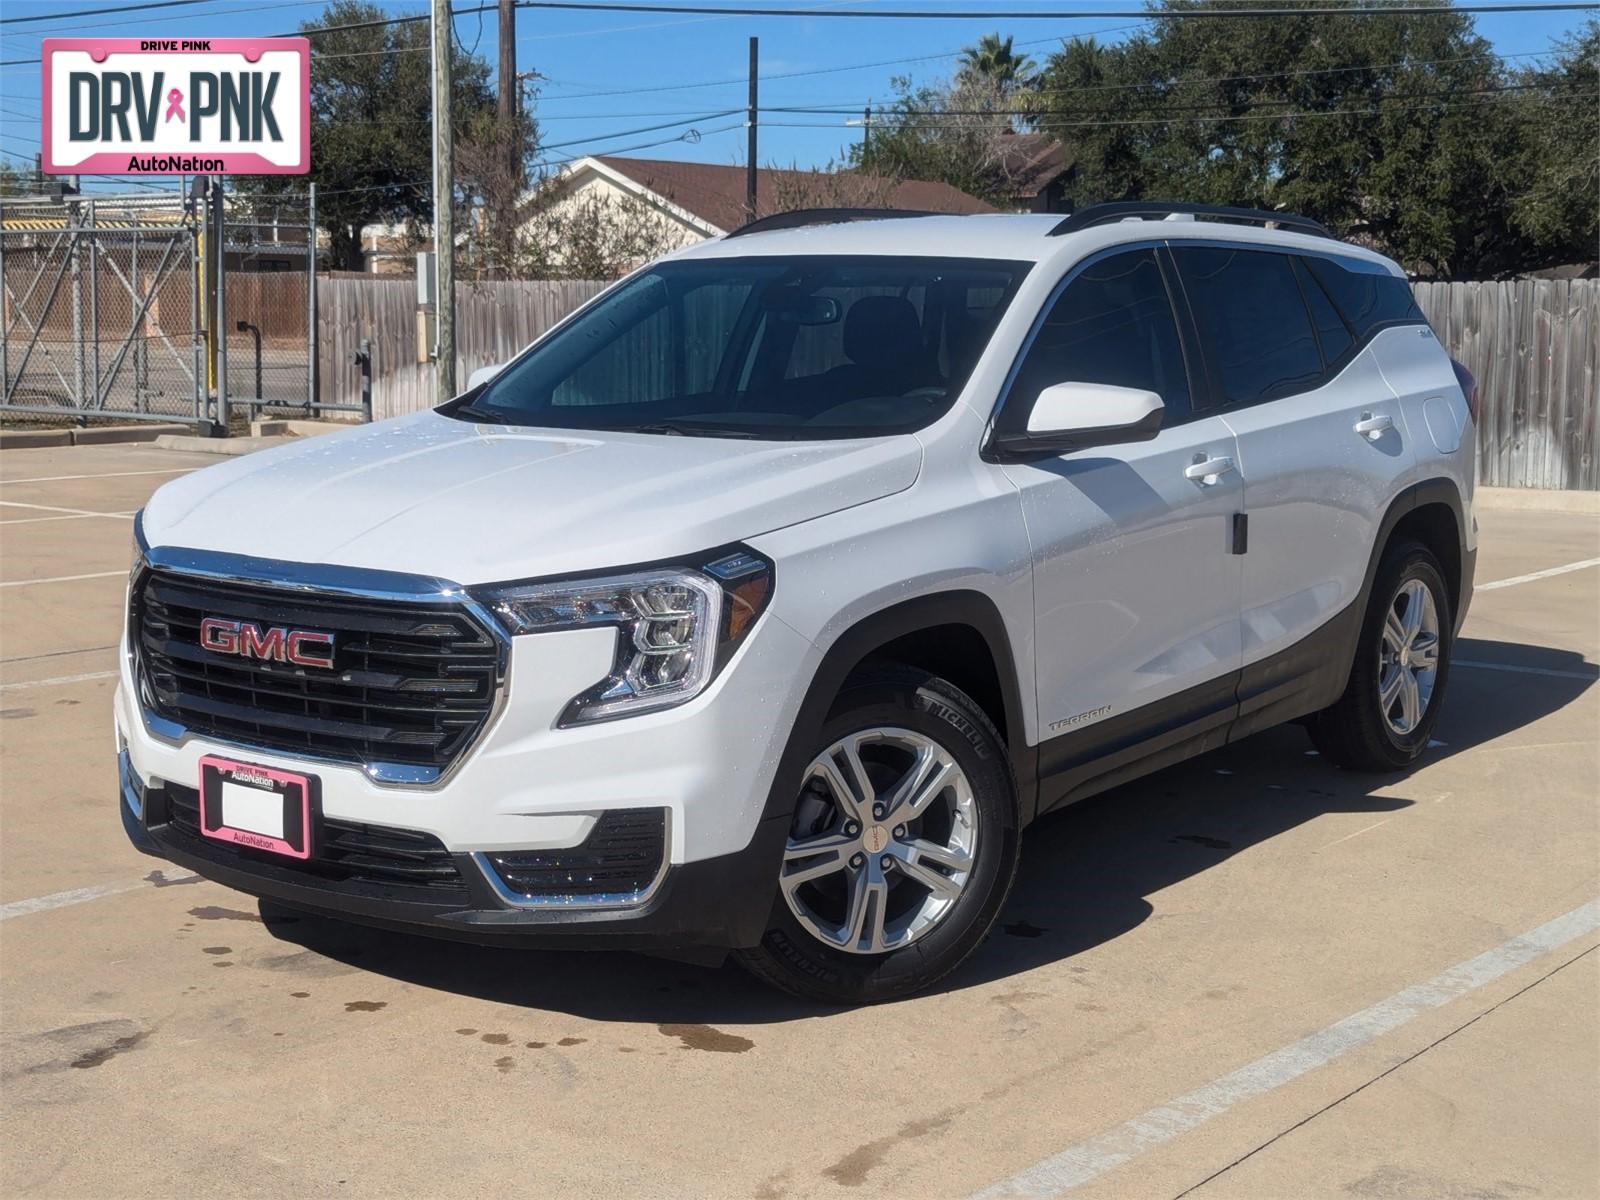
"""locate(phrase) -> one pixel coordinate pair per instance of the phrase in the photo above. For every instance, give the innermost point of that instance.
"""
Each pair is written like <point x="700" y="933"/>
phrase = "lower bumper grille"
<point x="619" y="863"/>
<point x="349" y="852"/>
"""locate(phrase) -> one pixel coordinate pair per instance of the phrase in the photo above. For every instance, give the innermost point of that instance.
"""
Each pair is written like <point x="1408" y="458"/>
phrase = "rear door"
<point x="1136" y="593"/>
<point x="1322" y="446"/>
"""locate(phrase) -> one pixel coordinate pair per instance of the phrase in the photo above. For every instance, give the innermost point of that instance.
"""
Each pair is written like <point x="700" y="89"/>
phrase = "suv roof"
<point x="1025" y="237"/>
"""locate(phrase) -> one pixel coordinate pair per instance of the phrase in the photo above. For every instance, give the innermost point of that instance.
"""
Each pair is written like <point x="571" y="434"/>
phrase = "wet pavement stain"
<point x="216" y="950"/>
<point x="1024" y="929"/>
<point x="212" y="912"/>
<point x="222" y="963"/>
<point x="17" y="714"/>
<point x="504" y="1065"/>
<point x="365" y="1005"/>
<point x="535" y="1045"/>
<point x="853" y="1168"/>
<point x="496" y="1039"/>
<point x="704" y="1037"/>
<point x="466" y="1032"/>
<point x="300" y="995"/>
<point x="102" y="1054"/>
<point x="572" y="1041"/>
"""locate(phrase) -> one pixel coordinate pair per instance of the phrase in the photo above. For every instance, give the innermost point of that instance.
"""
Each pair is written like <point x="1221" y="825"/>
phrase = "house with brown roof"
<point x="1034" y="170"/>
<point x="688" y="202"/>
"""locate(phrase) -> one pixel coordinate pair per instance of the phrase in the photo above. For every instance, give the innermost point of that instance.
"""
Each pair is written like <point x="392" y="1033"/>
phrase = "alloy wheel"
<point x="883" y="842"/>
<point x="1408" y="657"/>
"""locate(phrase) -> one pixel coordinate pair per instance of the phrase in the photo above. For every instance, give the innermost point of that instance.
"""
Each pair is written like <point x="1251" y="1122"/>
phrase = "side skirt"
<point x="1306" y="677"/>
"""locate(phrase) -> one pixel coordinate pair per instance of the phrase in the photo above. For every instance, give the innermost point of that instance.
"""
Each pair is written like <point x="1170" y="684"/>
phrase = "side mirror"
<point x="482" y="376"/>
<point x="1075" y="416"/>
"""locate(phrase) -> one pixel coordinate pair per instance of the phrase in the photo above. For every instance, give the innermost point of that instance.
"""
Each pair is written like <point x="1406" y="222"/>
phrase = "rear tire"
<point x="886" y="888"/>
<point x="1386" y="716"/>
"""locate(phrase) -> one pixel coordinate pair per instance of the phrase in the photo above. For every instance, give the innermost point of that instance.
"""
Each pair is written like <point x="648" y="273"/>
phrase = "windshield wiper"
<point x="487" y="416"/>
<point x="679" y="429"/>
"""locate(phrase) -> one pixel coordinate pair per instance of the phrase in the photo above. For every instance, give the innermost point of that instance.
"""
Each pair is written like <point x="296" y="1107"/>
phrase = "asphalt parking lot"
<point x="1249" y="976"/>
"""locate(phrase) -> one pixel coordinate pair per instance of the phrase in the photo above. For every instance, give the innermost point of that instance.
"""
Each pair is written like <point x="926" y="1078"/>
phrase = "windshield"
<point x="813" y="347"/>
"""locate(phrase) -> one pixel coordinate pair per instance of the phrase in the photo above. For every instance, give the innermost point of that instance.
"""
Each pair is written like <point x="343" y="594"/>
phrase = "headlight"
<point x="675" y="627"/>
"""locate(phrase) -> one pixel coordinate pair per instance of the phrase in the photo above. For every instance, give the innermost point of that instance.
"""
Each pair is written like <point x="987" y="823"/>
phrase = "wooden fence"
<point x="1533" y="345"/>
<point x="494" y="322"/>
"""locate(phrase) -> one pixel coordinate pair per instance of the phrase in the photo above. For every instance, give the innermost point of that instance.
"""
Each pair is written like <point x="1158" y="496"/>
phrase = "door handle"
<point x="1206" y="471"/>
<point x="1373" y="427"/>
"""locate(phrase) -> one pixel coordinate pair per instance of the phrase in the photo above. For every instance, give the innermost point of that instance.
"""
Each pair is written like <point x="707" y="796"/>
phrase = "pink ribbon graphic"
<point x="175" y="105"/>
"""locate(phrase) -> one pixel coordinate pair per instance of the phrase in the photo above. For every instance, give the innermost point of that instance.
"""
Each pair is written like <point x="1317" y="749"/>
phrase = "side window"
<point x="1332" y="333"/>
<point x="1113" y="324"/>
<point x="1253" y="321"/>
<point x="1368" y="299"/>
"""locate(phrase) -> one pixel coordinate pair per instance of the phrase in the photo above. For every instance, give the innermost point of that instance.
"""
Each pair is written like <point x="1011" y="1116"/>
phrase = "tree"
<point x="492" y="162"/>
<point x="16" y="181"/>
<point x="960" y="133"/>
<point x="994" y="60"/>
<point x="372" y="122"/>
<point x="1395" y="130"/>
<point x="1558" y="206"/>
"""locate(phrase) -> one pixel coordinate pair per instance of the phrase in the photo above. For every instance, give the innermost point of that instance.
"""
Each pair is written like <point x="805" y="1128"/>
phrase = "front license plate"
<point x="260" y="807"/>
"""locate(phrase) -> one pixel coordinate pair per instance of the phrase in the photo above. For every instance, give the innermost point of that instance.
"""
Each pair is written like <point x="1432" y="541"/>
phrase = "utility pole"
<point x="444" y="233"/>
<point x="507" y="110"/>
<point x="750" y="149"/>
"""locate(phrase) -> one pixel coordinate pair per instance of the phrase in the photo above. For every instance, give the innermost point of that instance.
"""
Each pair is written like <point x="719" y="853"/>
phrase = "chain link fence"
<point x="160" y="307"/>
<point x="101" y="308"/>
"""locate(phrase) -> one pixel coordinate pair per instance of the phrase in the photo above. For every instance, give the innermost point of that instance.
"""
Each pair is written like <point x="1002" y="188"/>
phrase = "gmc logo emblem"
<point x="276" y="643"/>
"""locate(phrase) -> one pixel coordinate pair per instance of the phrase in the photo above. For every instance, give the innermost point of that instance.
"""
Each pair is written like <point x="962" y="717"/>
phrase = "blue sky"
<point x="608" y="73"/>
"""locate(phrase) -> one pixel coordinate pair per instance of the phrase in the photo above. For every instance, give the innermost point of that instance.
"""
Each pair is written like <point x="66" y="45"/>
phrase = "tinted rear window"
<point x="1253" y="321"/>
<point x="1368" y="301"/>
<point x="1333" y="334"/>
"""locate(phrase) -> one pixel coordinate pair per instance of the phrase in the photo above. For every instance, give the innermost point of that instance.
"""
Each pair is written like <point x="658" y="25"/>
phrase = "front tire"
<point x="903" y="848"/>
<point x="1386" y="716"/>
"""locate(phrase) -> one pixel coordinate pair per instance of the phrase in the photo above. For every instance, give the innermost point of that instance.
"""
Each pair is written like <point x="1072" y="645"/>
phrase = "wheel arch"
<point x="958" y="635"/>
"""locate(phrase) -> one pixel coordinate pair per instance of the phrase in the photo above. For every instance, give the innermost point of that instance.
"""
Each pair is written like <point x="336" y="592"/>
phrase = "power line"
<point x="100" y="12"/>
<point x="1355" y="10"/>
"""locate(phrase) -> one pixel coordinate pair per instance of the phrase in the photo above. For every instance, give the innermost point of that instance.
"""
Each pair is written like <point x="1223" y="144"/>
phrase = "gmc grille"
<point x="413" y="682"/>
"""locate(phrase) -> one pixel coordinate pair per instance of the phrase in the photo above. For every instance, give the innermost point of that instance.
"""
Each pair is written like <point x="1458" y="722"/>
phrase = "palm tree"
<point x="994" y="61"/>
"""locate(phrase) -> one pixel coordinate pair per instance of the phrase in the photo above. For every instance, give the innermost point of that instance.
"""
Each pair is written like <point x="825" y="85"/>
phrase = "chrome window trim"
<point x="604" y="900"/>
<point x="1003" y="396"/>
<point x="323" y="579"/>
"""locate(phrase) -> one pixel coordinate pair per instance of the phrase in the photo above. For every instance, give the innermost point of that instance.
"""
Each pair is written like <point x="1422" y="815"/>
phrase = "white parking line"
<point x="102" y="475"/>
<point x="22" y="908"/>
<point x="1516" y="579"/>
<point x="62" y="579"/>
<point x="59" y="679"/>
<point x="1591" y="676"/>
<point x="1091" y="1159"/>
<point x="67" y="517"/>
<point x="56" y="508"/>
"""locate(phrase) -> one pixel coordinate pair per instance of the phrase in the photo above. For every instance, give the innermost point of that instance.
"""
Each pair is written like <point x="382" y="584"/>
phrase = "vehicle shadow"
<point x="1087" y="871"/>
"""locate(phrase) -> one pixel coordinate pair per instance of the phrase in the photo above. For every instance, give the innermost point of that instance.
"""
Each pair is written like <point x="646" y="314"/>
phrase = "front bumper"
<point x="529" y="786"/>
<point x="717" y="903"/>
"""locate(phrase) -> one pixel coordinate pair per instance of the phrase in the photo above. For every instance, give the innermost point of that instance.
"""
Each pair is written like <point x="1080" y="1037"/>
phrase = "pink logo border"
<point x="234" y="163"/>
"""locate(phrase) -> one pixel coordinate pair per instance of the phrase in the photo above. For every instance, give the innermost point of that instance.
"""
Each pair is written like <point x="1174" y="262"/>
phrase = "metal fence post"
<point x="94" y="299"/>
<point x="311" y="303"/>
<point x="75" y="254"/>
<point x="219" y="238"/>
<point x="364" y="361"/>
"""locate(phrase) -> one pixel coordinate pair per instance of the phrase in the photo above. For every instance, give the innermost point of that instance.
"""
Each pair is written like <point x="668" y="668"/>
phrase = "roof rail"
<point x="802" y="217"/>
<point x="1157" y="210"/>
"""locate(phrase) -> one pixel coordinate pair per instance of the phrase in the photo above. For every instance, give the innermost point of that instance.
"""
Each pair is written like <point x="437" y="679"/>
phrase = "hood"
<point x="430" y="495"/>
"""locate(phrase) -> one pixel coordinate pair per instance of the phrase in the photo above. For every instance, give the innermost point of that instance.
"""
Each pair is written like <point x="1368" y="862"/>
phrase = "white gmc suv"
<point x="763" y="602"/>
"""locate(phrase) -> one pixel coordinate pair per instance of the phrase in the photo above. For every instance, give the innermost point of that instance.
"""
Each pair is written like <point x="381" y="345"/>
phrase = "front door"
<point x="1136" y="587"/>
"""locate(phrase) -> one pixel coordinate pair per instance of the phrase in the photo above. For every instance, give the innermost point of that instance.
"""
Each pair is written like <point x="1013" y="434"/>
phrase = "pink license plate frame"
<point x="293" y="789"/>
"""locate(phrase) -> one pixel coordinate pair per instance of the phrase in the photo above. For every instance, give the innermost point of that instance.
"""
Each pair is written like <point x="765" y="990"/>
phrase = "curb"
<point x="1537" y="500"/>
<point x="224" y="446"/>
<point x="18" y="439"/>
